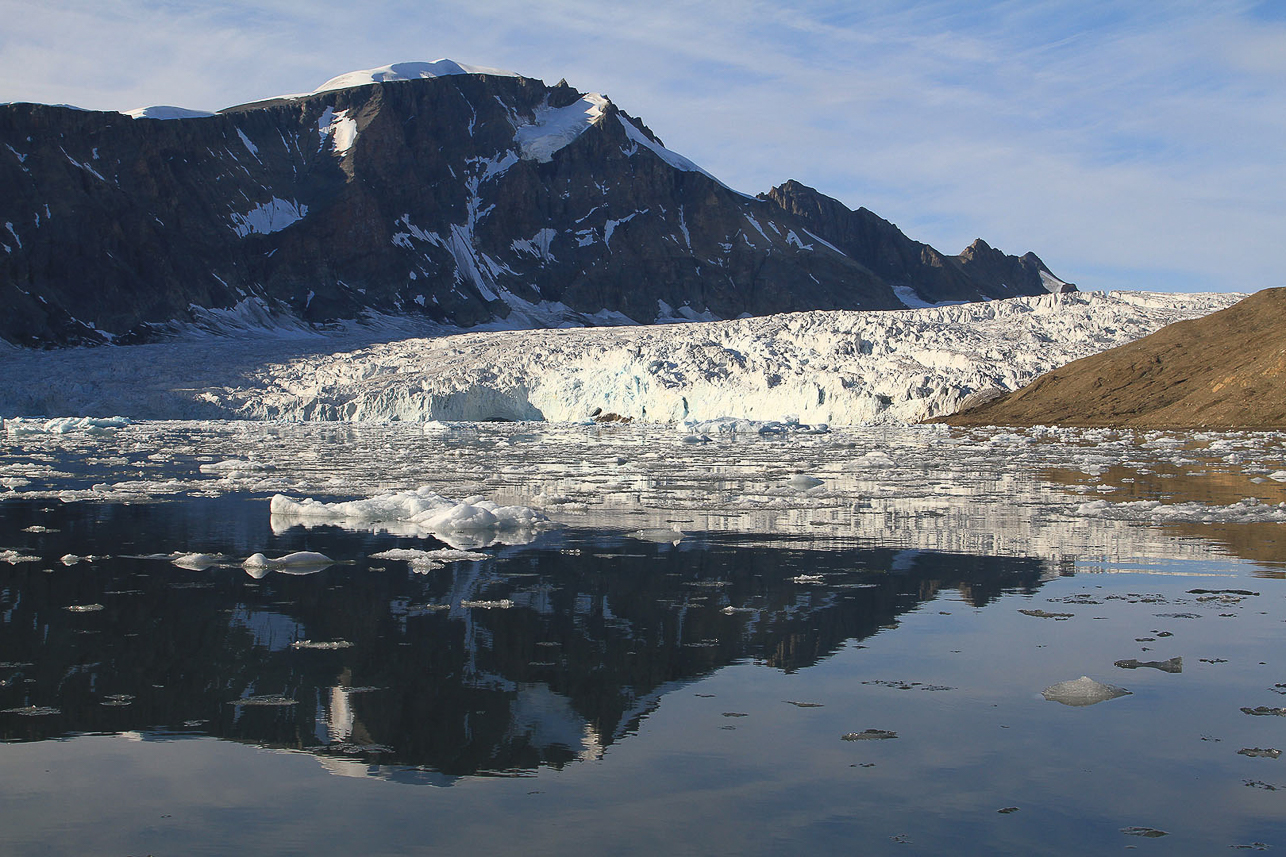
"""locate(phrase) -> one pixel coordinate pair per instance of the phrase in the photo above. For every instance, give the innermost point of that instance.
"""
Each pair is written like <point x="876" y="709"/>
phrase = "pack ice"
<point x="838" y="368"/>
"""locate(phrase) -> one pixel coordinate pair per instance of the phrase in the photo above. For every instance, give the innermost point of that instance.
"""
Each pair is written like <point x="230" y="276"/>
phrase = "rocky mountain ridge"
<point x="461" y="199"/>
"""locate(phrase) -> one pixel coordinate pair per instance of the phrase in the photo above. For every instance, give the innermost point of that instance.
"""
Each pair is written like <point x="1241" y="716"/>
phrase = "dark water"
<point x="605" y="692"/>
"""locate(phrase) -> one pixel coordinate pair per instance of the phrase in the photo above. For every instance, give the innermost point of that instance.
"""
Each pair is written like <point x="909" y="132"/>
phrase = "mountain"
<point x="1226" y="370"/>
<point x="918" y="273"/>
<point x="459" y="195"/>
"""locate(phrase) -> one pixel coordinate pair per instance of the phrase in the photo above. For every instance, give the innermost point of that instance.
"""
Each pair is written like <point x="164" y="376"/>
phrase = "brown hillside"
<point x="1226" y="370"/>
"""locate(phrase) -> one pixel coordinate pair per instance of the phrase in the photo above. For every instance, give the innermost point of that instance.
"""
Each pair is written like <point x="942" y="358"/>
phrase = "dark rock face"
<point x="979" y="273"/>
<point x="425" y="198"/>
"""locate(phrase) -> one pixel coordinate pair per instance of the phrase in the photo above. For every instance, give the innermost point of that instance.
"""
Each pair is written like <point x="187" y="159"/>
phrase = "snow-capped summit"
<point x="164" y="111"/>
<point x="456" y="194"/>
<point x="407" y="71"/>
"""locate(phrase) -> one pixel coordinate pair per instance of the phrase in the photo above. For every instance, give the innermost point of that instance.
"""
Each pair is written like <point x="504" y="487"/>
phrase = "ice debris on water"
<point x="727" y="426"/>
<point x="299" y="562"/>
<point x="84" y="608"/>
<point x="429" y="511"/>
<point x="1173" y="665"/>
<point x="14" y="557"/>
<point x="64" y="425"/>
<point x="1041" y="614"/>
<point x="1082" y="691"/>
<point x="1260" y="752"/>
<point x="430" y="559"/>
<point x="869" y="735"/>
<point x="1149" y="832"/>
<point x="1265" y="711"/>
<point x="195" y="561"/>
<point x="659" y="535"/>
<point x="267" y="701"/>
<point x="235" y="466"/>
<point x="32" y="711"/>
<point x="321" y="644"/>
<point x="502" y="604"/>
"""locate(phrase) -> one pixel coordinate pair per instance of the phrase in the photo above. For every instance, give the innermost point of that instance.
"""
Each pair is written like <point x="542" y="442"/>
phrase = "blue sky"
<point x="1129" y="144"/>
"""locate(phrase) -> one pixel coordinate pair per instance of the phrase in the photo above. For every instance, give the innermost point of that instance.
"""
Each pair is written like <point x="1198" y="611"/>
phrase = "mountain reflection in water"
<point x="540" y="655"/>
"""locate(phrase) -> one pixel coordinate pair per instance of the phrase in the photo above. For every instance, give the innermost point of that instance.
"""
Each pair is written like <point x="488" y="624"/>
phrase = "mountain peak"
<point x="407" y="71"/>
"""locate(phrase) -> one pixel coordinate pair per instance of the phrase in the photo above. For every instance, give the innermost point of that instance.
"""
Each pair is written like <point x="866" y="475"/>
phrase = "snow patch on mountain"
<point x="338" y="128"/>
<point x="555" y="127"/>
<point x="266" y="218"/>
<point x="1050" y="282"/>
<point x="674" y="159"/>
<point x="407" y="71"/>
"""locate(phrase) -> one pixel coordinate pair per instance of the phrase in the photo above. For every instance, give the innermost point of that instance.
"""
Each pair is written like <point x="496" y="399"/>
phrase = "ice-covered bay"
<point x="1080" y="495"/>
<point x="838" y="368"/>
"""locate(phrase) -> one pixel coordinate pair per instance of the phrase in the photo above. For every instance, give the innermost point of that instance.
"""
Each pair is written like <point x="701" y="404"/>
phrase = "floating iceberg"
<point x="420" y="512"/>
<point x="299" y="562"/>
<point x="1082" y="691"/>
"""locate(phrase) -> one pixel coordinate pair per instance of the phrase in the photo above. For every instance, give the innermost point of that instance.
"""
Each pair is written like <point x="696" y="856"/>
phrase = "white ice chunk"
<point x="425" y="510"/>
<point x="197" y="561"/>
<point x="299" y="562"/>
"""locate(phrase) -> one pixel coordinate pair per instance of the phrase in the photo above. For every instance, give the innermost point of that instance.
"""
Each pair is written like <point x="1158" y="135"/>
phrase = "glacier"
<point x="811" y="368"/>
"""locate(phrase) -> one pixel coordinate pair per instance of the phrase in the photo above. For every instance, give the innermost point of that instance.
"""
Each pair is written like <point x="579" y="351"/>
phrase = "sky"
<point x="1134" y="145"/>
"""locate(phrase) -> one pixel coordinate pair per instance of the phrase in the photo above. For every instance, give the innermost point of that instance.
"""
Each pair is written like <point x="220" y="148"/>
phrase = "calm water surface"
<point x="824" y="686"/>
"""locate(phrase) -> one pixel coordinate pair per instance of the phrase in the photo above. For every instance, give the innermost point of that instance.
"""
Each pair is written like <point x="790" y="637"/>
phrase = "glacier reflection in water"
<point x="740" y="644"/>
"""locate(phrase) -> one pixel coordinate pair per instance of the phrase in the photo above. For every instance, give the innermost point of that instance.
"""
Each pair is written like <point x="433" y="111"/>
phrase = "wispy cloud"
<point x="1131" y="145"/>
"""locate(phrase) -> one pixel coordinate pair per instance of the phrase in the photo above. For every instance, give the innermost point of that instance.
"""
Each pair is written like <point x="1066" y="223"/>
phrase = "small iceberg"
<point x="1082" y="691"/>
<point x="299" y="562"/>
<point x="196" y="561"/>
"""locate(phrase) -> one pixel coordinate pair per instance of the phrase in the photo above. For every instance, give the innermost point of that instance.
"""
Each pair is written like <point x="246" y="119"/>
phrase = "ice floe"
<point x="1082" y="691"/>
<point x="300" y="562"/>
<point x="420" y="512"/>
